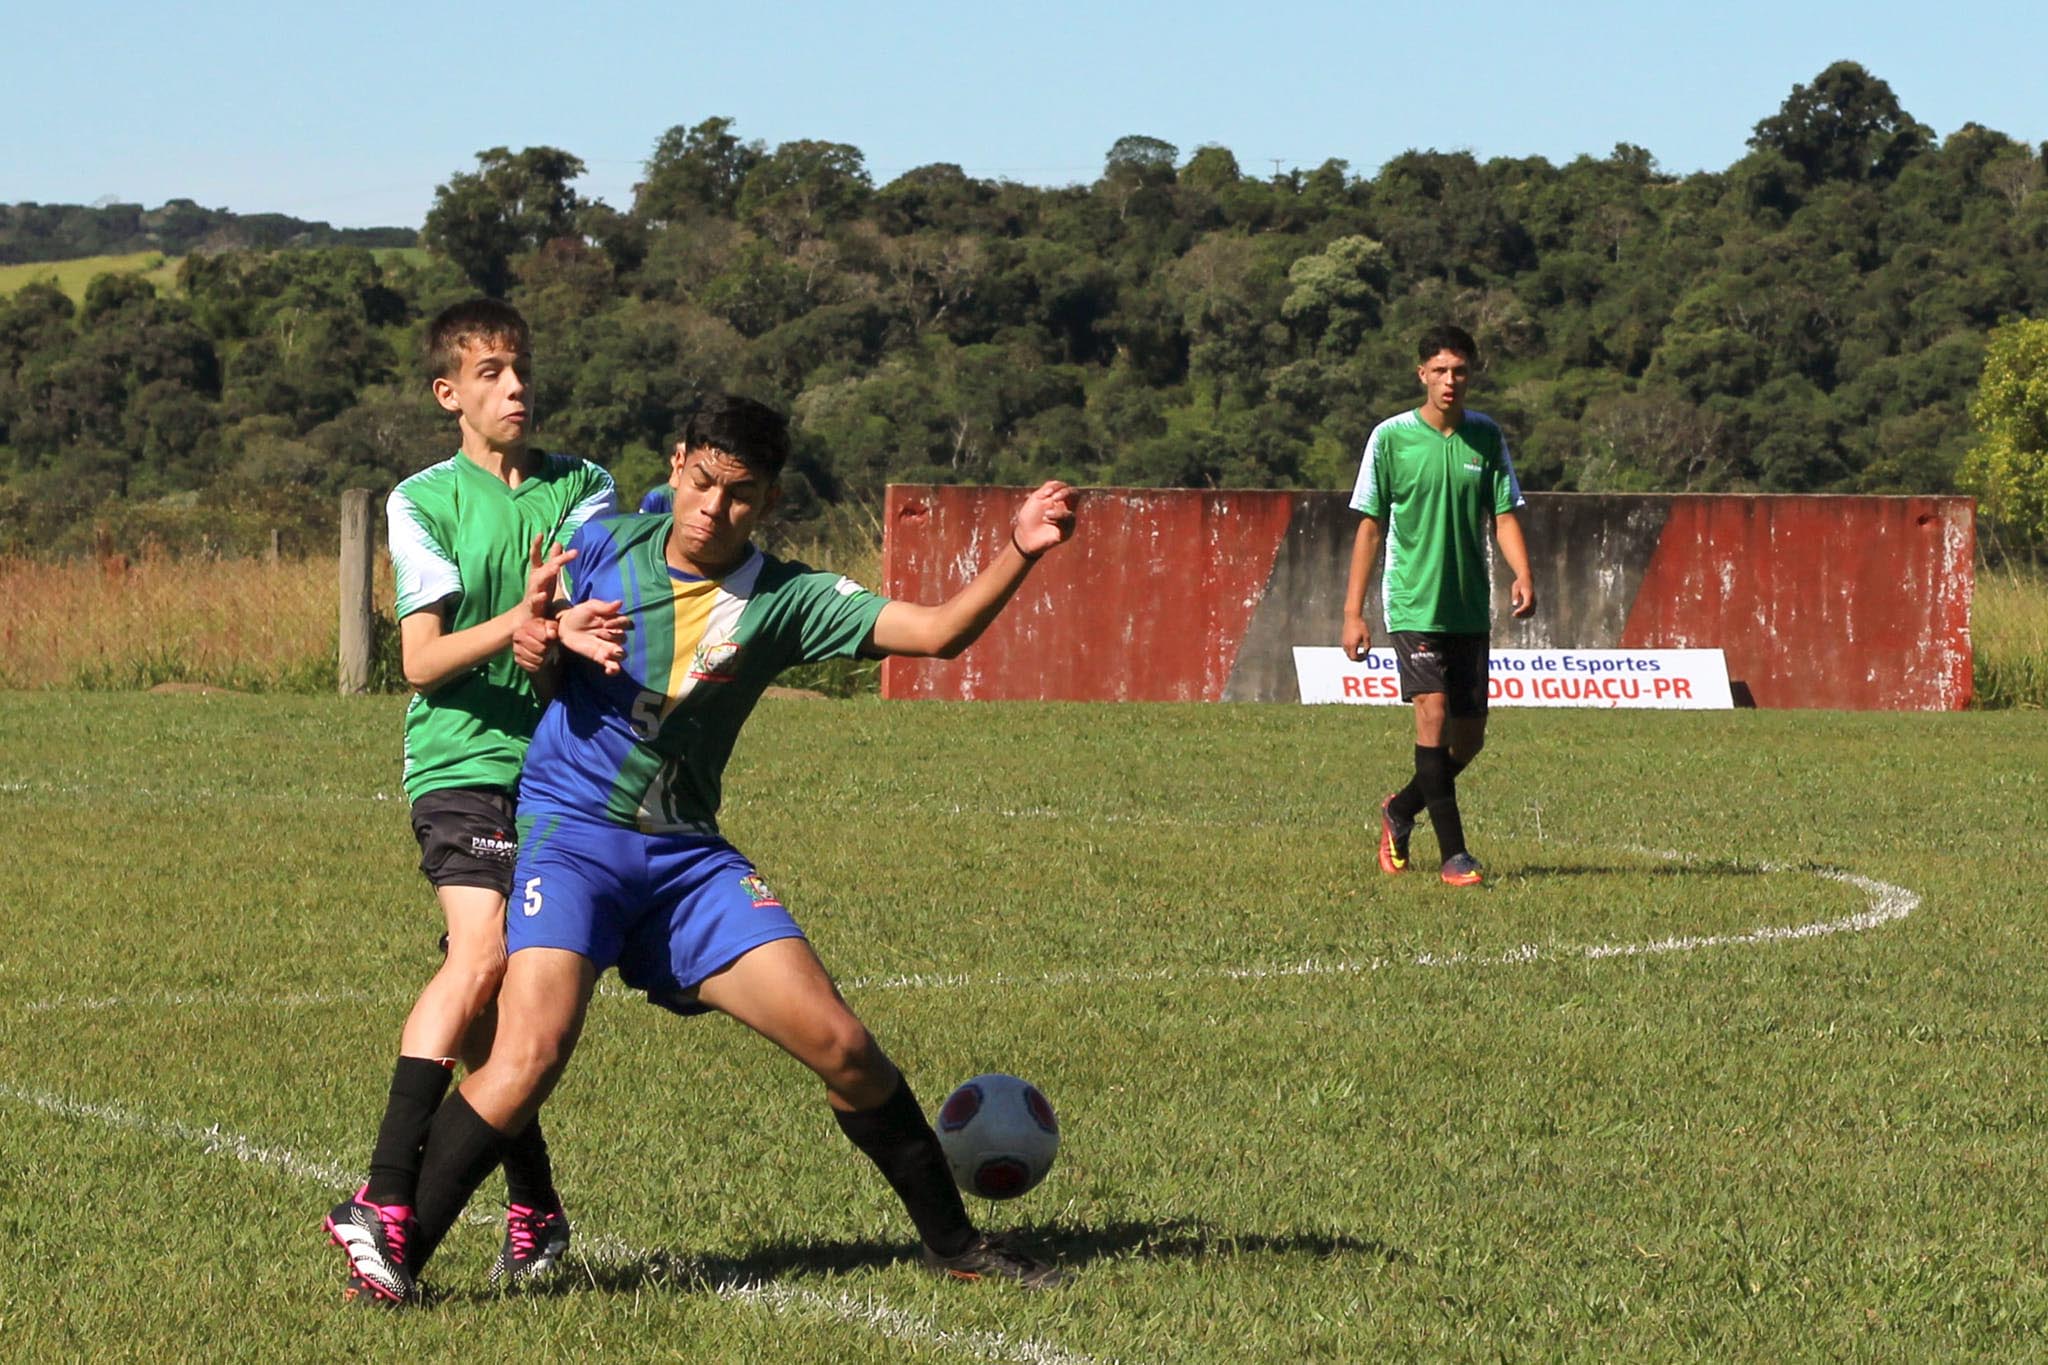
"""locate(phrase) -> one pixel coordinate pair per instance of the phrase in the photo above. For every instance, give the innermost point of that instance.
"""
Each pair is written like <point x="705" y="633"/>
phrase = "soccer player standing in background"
<point x="466" y="541"/>
<point x="1431" y="480"/>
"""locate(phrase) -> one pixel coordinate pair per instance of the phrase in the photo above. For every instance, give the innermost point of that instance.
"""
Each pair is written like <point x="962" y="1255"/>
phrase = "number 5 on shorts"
<point x="531" y="905"/>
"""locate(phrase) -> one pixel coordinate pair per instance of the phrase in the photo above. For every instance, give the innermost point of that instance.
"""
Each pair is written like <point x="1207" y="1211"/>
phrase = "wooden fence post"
<point x="357" y="620"/>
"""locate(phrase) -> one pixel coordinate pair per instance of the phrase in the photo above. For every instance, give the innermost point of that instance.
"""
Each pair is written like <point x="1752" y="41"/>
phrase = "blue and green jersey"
<point x="647" y="747"/>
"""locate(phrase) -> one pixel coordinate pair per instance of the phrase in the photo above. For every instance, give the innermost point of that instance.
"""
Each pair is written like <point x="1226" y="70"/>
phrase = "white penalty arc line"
<point x="856" y="1310"/>
<point x="1886" y="903"/>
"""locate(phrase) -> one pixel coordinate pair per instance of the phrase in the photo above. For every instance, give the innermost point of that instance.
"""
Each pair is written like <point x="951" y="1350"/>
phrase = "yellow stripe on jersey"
<point x="694" y="608"/>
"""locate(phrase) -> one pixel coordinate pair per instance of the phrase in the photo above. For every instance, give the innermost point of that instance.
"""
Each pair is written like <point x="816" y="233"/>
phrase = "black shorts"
<point x="1454" y="665"/>
<point x="467" y="837"/>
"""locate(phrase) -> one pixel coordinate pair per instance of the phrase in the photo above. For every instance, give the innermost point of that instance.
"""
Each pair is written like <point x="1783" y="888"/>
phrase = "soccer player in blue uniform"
<point x="1433" y="480"/>
<point x="621" y="861"/>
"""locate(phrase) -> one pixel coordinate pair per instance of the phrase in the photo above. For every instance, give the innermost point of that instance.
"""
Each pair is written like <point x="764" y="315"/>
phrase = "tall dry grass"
<point x="2009" y="629"/>
<point x="119" y="624"/>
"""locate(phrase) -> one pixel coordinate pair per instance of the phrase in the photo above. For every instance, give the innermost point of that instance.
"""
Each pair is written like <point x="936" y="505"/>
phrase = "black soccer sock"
<point x="529" y="1175"/>
<point x="417" y="1085"/>
<point x="461" y="1150"/>
<point x="1434" y="774"/>
<point x="896" y="1137"/>
<point x="1408" y="802"/>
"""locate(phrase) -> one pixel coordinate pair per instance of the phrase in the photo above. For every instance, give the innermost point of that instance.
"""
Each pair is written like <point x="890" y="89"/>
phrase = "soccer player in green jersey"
<point x="621" y="861"/>
<point x="466" y="548"/>
<point x="1431" y="481"/>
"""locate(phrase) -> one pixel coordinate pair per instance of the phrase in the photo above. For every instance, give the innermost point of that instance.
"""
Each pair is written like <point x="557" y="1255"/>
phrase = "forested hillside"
<point x="1813" y="317"/>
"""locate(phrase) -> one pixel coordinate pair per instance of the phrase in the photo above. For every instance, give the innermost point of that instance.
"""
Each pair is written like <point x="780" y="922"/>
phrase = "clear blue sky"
<point x="354" y="113"/>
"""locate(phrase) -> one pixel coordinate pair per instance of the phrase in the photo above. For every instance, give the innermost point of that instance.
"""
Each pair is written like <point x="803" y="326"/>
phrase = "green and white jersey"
<point x="460" y="539"/>
<point x="646" y="747"/>
<point x="1438" y="496"/>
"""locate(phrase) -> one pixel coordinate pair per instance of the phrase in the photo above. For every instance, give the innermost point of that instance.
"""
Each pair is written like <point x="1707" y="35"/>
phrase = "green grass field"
<point x="1738" y="1056"/>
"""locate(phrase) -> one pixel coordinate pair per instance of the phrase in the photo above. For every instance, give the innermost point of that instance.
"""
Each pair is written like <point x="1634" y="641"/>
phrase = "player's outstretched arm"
<point x="431" y="656"/>
<point x="1365" y="557"/>
<point x="1507" y="530"/>
<point x="1044" y="520"/>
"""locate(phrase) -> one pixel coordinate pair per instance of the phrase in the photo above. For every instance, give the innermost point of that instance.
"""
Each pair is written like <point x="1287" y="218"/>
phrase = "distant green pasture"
<point x="73" y="276"/>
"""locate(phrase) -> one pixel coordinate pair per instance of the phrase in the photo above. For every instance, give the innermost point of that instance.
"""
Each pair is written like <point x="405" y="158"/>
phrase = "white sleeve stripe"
<point x="602" y="503"/>
<point x="423" y="572"/>
<point x="1365" y="491"/>
<point x="1515" y="498"/>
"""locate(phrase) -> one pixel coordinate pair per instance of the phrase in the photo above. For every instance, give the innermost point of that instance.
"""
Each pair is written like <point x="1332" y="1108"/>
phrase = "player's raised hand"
<point x="1045" y="519"/>
<point x="596" y="631"/>
<point x="543" y="574"/>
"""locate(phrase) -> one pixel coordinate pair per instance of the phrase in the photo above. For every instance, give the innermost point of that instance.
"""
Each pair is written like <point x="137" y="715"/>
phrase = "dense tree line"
<point x="66" y="232"/>
<point x="1814" y="317"/>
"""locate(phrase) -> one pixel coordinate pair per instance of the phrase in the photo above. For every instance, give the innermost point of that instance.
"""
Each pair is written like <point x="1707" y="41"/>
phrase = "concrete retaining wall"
<point x="1857" y="603"/>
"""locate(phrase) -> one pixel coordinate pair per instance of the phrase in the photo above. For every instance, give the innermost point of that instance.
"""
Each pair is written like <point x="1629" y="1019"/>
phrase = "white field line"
<point x="858" y="1310"/>
<point x="1886" y="903"/>
<point x="179" y="999"/>
<point x="42" y="786"/>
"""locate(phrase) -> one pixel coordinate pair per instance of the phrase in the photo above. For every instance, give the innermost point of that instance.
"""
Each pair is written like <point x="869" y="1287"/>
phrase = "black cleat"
<point x="360" y="1293"/>
<point x="373" y="1236"/>
<point x="534" y="1244"/>
<point x="990" y="1257"/>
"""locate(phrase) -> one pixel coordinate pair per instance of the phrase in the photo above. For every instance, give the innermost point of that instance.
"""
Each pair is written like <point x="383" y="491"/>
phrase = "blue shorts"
<point x="668" y="910"/>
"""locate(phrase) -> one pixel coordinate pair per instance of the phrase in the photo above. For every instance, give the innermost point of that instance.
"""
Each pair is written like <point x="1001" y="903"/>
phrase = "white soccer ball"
<point x="999" y="1135"/>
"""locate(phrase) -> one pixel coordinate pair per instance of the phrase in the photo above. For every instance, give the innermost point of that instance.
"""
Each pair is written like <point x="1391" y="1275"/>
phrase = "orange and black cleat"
<point x="1461" y="869"/>
<point x="1394" y="833"/>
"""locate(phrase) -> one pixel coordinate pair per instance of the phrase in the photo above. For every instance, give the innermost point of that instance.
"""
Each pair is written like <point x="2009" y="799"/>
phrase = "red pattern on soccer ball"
<point x="960" y="1108"/>
<point x="1040" y="1109"/>
<point x="1001" y="1178"/>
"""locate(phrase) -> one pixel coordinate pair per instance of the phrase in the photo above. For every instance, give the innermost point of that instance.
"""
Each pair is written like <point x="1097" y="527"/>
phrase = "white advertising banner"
<point x="1668" y="679"/>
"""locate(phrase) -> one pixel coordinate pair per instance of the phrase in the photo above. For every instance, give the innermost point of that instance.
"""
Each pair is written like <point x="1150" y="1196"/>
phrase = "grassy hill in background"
<point x="160" y="270"/>
<point x="73" y="276"/>
<point x="64" y="232"/>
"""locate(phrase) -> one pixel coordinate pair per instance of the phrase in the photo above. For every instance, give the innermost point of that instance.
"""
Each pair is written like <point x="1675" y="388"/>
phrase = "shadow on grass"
<point x="1070" y="1247"/>
<point x="1700" y="868"/>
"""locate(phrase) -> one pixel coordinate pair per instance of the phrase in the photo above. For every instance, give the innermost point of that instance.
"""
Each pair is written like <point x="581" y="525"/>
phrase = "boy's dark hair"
<point x="753" y="433"/>
<point x="1446" y="336"/>
<point x="460" y="325"/>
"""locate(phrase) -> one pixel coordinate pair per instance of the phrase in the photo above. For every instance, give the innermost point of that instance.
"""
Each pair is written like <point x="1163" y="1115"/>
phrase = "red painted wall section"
<point x="1851" y="603"/>
<point x="1149" y="602"/>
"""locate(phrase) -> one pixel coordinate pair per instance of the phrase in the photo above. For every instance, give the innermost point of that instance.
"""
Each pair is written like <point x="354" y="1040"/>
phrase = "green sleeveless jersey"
<point x="460" y="538"/>
<point x="1438" y="495"/>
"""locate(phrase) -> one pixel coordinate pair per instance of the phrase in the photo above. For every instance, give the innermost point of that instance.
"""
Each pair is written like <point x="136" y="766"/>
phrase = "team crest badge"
<point x="716" y="663"/>
<point x="758" y="889"/>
